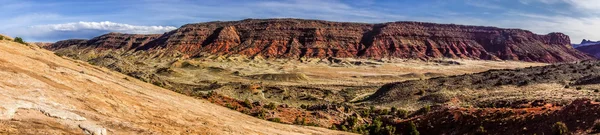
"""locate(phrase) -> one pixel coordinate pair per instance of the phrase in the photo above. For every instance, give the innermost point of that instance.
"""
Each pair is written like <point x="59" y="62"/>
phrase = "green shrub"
<point x="303" y="106"/>
<point x="210" y="94"/>
<point x="426" y="109"/>
<point x="361" y="129"/>
<point x="384" y="112"/>
<point x="278" y="120"/>
<point x="344" y="128"/>
<point x="375" y="128"/>
<point x="364" y="113"/>
<point x="560" y="128"/>
<point x="421" y="92"/>
<point x="248" y="104"/>
<point x="55" y="53"/>
<point x="352" y="121"/>
<point x="1" y="37"/>
<point x="389" y="130"/>
<point x="261" y="114"/>
<point x="411" y="129"/>
<point x="402" y="113"/>
<point x="596" y="128"/>
<point x="271" y="106"/>
<point x="230" y="106"/>
<point x="299" y="121"/>
<point x="480" y="131"/>
<point x="19" y="40"/>
<point x="312" y="124"/>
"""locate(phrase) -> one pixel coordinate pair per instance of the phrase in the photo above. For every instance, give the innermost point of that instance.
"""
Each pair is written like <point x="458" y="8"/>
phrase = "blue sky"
<point x="52" y="20"/>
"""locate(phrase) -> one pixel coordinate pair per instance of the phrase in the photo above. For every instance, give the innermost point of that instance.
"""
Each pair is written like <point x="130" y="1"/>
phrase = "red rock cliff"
<point x="295" y="38"/>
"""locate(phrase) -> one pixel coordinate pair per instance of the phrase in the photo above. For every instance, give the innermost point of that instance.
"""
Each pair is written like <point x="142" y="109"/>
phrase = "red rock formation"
<point x="108" y="41"/>
<point x="295" y="38"/>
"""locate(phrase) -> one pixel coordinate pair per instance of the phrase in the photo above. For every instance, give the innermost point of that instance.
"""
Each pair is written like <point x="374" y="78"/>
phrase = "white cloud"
<point x="587" y="5"/>
<point x="103" y="26"/>
<point x="81" y="30"/>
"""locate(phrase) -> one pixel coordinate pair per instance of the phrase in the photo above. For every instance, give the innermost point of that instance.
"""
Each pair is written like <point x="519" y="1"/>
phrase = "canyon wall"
<point x="296" y="38"/>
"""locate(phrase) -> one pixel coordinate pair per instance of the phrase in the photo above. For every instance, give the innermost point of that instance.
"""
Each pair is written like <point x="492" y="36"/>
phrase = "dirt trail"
<point x="44" y="94"/>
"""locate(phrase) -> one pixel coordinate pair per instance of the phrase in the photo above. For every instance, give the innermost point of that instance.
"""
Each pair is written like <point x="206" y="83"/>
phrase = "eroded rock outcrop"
<point x="296" y="38"/>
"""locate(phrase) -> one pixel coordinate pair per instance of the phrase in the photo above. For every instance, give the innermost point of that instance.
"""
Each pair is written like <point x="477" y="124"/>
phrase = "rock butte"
<point x="296" y="38"/>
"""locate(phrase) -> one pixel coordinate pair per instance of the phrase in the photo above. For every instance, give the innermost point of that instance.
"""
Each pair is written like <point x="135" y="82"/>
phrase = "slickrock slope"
<point x="42" y="93"/>
<point x="296" y="38"/>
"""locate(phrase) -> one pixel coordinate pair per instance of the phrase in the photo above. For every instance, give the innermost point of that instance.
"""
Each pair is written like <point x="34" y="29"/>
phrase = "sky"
<point x="53" y="20"/>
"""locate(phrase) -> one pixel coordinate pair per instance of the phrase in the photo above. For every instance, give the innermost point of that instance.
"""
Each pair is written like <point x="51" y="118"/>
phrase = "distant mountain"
<point x="585" y="42"/>
<point x="589" y="47"/>
<point x="297" y="38"/>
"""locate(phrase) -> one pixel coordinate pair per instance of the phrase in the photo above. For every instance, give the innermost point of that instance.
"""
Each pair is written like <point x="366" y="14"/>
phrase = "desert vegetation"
<point x="19" y="40"/>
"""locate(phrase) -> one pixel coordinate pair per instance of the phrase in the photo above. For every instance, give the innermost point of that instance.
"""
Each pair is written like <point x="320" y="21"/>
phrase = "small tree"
<point x="19" y="40"/>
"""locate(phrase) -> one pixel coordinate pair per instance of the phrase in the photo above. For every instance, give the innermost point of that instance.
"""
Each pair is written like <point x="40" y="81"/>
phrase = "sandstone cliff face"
<point x="295" y="38"/>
